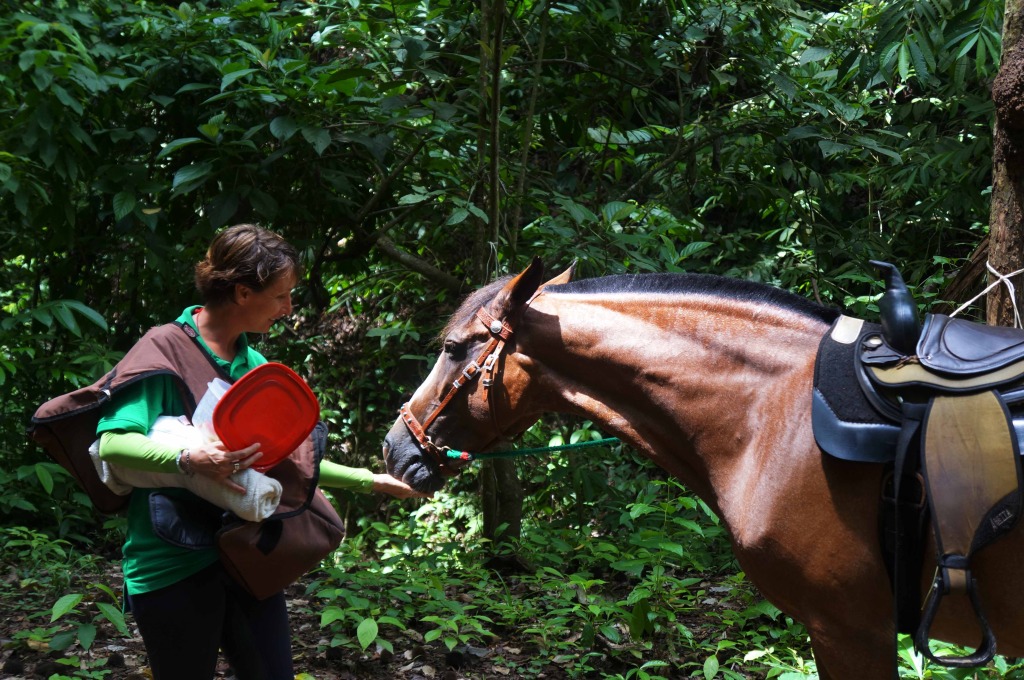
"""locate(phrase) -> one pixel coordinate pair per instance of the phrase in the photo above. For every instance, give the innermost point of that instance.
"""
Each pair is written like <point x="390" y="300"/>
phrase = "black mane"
<point x="699" y="284"/>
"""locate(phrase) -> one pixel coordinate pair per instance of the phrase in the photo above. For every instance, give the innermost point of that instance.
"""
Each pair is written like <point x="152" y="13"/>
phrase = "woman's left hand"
<point x="396" y="487"/>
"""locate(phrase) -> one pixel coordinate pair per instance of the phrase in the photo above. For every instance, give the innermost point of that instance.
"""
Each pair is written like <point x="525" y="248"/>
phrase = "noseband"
<point x="484" y="365"/>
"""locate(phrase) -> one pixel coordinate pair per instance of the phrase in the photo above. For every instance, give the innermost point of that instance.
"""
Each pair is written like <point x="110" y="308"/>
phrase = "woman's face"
<point x="263" y="308"/>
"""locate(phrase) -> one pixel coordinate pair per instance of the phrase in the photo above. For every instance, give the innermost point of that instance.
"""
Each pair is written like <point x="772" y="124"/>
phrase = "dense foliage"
<point x="413" y="150"/>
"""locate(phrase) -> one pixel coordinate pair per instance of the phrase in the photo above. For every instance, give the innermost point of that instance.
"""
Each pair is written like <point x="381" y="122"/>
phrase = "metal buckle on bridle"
<point x="468" y="372"/>
<point x="488" y="370"/>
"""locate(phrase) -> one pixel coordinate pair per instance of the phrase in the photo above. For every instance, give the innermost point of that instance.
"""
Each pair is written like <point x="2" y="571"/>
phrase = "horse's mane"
<point x="656" y="284"/>
<point x="699" y="284"/>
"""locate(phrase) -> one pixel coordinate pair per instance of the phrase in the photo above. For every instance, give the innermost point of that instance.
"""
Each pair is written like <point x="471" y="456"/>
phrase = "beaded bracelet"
<point x="185" y="462"/>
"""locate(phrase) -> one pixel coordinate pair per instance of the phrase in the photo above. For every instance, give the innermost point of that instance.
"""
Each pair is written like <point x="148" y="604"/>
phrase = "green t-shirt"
<point x="149" y="563"/>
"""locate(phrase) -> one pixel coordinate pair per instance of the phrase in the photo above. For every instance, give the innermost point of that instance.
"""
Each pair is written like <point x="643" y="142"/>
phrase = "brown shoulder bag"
<point x="266" y="557"/>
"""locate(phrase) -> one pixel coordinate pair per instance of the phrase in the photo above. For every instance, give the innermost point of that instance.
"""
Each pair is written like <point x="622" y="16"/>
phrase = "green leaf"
<point x="86" y="311"/>
<point x="458" y="216"/>
<point x="691" y="249"/>
<point x="86" y="635"/>
<point x="318" y="137"/>
<point x="171" y="147"/>
<point x="904" y="62"/>
<point x="638" y="622"/>
<point x="410" y="199"/>
<point x="611" y="632"/>
<point x="190" y="87"/>
<point x="45" y="478"/>
<point x="67" y="100"/>
<point x="114" y="615"/>
<point x="191" y="176"/>
<point x="64" y="605"/>
<point x="283" y="127"/>
<point x="65" y="318"/>
<point x="124" y="204"/>
<point x="829" y="148"/>
<point x="330" y="615"/>
<point x="812" y="54"/>
<point x="617" y="210"/>
<point x="223" y="209"/>
<point x="920" y="65"/>
<point x="63" y="640"/>
<point x="210" y="131"/>
<point x="785" y="83"/>
<point x="235" y="75"/>
<point x="711" y="667"/>
<point x="366" y="632"/>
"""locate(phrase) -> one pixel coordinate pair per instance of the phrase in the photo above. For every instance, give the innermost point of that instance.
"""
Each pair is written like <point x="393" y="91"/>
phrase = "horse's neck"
<point x="695" y="382"/>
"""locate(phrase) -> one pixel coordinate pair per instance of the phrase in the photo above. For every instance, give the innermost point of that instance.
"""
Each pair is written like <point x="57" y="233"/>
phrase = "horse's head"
<point x="464" y="403"/>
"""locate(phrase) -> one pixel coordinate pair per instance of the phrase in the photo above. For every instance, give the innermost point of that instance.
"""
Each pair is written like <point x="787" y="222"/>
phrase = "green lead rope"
<point x="513" y="453"/>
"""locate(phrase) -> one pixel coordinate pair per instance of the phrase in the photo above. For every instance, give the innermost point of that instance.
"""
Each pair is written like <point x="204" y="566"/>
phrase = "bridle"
<point x="485" y="365"/>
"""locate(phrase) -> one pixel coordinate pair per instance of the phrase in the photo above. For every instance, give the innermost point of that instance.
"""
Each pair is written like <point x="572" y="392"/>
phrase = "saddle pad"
<point x="845" y="423"/>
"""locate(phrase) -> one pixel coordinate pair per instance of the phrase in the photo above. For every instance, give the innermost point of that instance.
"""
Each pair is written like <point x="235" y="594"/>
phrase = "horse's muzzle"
<point x="406" y="461"/>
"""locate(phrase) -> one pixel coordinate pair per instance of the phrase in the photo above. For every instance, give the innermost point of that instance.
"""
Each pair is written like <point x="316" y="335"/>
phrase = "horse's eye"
<point x="454" y="349"/>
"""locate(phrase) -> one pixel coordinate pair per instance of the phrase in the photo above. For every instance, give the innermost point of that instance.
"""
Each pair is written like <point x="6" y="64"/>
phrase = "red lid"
<point x="271" y="405"/>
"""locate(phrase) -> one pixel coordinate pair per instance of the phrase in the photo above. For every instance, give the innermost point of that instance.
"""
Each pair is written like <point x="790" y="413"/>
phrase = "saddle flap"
<point x="971" y="462"/>
<point x="970" y="457"/>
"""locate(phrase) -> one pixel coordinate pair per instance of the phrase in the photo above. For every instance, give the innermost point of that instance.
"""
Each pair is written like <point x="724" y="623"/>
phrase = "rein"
<point x="514" y="453"/>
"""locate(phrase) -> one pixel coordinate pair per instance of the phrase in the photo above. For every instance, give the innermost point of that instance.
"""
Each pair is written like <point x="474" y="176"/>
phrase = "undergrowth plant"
<point x="633" y="587"/>
<point x="629" y="576"/>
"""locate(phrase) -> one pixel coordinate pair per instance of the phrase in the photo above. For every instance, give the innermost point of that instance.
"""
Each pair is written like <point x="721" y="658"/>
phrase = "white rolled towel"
<point x="260" y="500"/>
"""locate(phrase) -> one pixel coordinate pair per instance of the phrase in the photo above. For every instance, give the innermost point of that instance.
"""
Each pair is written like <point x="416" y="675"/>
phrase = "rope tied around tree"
<point x="1003" y="279"/>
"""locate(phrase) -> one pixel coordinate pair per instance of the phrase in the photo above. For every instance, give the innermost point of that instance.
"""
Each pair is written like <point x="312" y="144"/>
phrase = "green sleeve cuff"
<point x="334" y="476"/>
<point x="136" y="450"/>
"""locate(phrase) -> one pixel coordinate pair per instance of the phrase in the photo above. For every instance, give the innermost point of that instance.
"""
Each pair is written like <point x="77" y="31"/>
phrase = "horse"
<point x="711" y="379"/>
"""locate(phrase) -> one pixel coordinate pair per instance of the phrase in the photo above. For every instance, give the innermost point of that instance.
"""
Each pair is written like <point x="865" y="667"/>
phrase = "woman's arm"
<point x="336" y="476"/>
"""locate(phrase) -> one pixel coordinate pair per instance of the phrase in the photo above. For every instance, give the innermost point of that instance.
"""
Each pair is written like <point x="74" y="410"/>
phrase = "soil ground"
<point x="114" y="657"/>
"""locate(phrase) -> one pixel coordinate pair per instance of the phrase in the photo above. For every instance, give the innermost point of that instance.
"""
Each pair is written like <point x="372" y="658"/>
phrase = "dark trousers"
<point x="184" y="625"/>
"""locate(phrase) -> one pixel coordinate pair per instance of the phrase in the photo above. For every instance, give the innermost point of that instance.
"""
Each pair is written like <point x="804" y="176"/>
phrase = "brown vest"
<point x="66" y="425"/>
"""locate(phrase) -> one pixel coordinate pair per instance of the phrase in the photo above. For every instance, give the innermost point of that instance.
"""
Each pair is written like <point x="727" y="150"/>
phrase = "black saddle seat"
<point x="965" y="348"/>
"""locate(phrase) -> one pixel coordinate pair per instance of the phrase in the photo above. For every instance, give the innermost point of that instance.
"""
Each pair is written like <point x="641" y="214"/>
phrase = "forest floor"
<point x="26" y="655"/>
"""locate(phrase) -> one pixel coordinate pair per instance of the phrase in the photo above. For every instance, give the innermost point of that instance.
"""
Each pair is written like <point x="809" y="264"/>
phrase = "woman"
<point x="185" y="605"/>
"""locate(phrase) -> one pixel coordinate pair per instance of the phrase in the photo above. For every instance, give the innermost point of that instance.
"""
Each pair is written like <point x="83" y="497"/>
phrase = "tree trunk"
<point x="1006" y="219"/>
<point x="501" y="491"/>
<point x="502" y="497"/>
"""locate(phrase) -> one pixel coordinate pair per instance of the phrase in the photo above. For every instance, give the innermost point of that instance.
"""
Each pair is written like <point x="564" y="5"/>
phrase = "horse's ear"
<point x="518" y="291"/>
<point x="564" y="277"/>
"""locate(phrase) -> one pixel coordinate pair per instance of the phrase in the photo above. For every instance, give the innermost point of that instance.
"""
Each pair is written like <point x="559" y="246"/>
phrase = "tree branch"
<point x="418" y="265"/>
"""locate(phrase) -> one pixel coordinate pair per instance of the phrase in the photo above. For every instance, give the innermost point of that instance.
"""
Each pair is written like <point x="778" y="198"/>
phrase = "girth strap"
<point x="907" y="506"/>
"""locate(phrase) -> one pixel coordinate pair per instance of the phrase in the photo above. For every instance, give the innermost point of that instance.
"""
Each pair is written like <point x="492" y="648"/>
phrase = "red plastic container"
<point x="271" y="405"/>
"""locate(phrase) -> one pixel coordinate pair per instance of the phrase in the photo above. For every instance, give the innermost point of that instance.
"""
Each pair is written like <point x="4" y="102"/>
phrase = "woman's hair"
<point x="243" y="254"/>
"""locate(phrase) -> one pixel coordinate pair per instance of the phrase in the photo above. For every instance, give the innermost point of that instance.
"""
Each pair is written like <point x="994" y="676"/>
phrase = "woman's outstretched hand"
<point x="395" y="487"/>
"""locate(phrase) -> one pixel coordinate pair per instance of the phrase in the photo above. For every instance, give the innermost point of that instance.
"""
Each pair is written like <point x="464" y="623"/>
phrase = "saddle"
<point x="936" y="404"/>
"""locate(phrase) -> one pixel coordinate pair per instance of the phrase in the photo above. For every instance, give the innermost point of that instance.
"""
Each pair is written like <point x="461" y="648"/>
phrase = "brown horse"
<point x="711" y="378"/>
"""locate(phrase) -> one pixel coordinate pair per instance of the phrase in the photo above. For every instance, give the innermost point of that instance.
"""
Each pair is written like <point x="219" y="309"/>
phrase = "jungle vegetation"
<point x="414" y="150"/>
